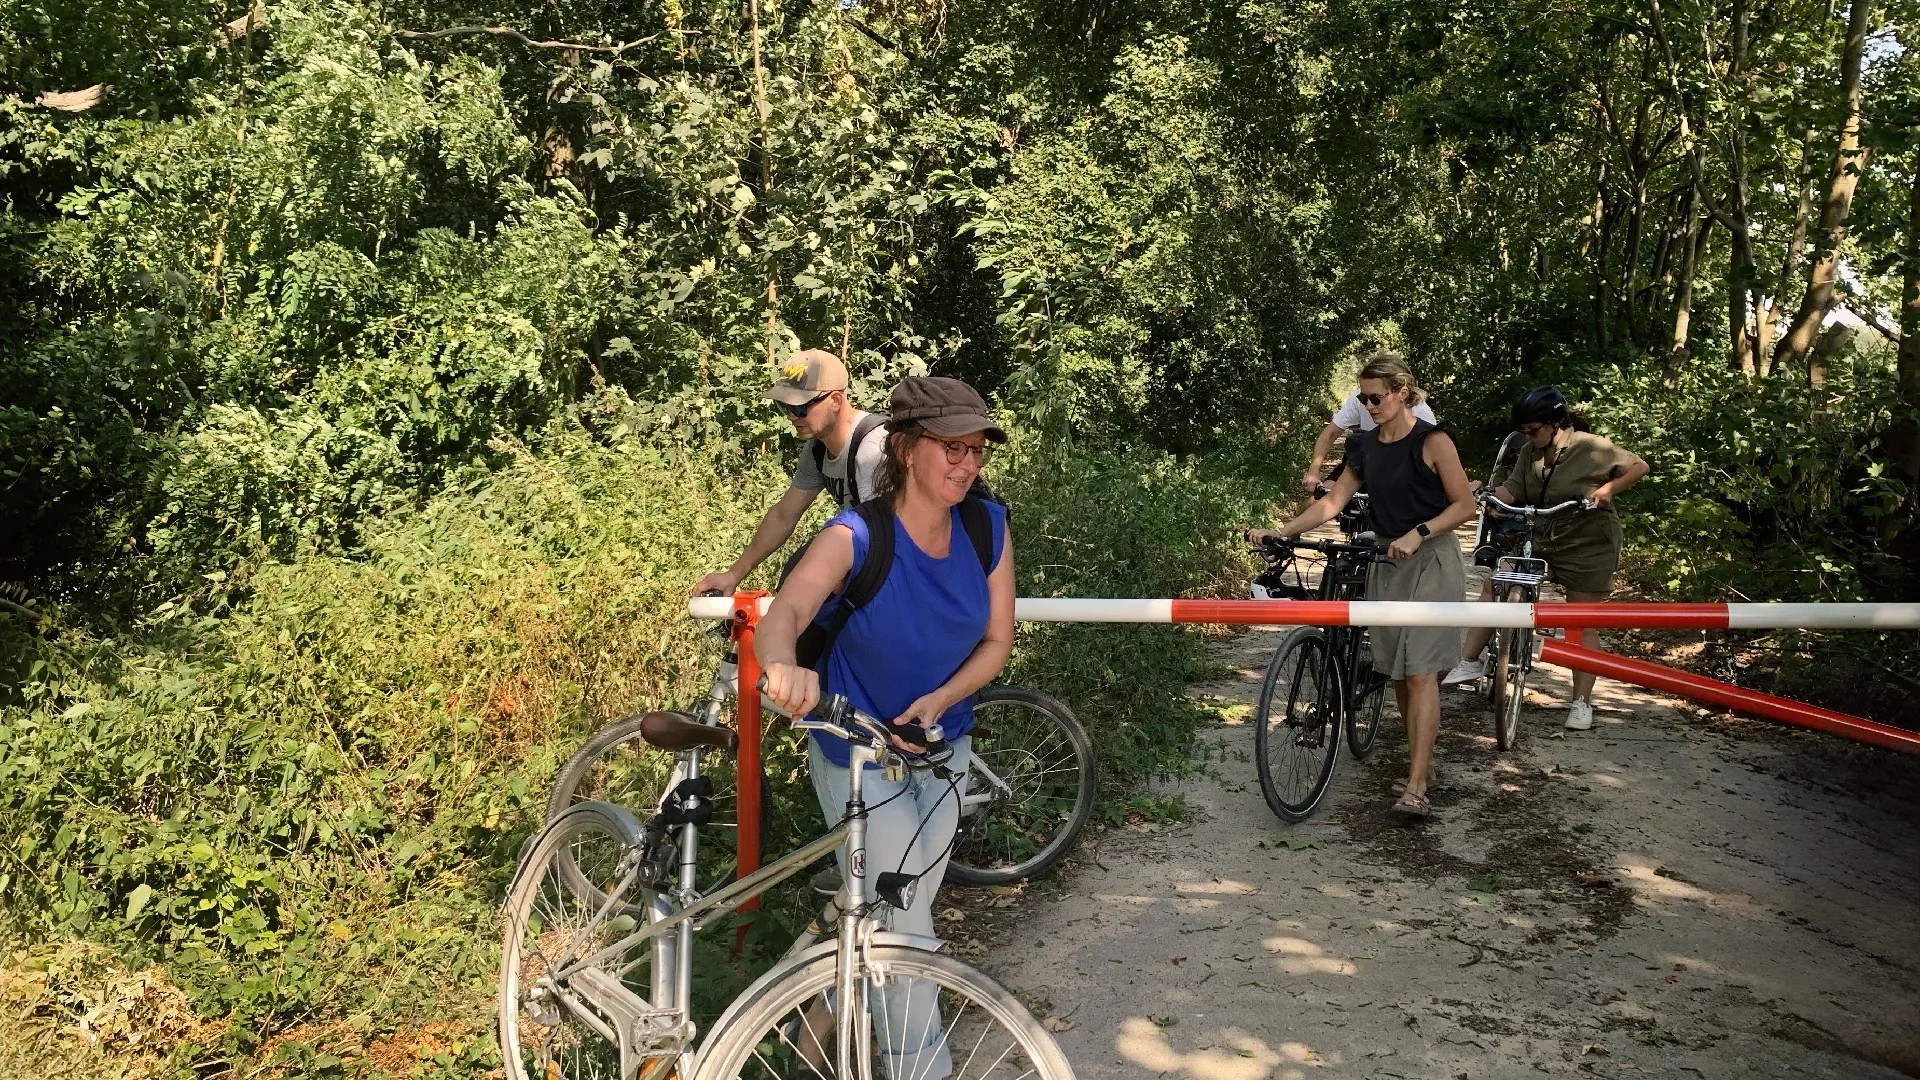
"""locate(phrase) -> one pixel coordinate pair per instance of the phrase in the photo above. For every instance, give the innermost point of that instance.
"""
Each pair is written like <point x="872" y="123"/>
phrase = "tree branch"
<point x="502" y="31"/>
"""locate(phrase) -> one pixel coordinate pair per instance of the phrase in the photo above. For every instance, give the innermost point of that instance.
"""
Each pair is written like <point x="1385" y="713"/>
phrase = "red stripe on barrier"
<point x="1701" y="688"/>
<point x="1262" y="612"/>
<point x="1633" y="616"/>
<point x="746" y="714"/>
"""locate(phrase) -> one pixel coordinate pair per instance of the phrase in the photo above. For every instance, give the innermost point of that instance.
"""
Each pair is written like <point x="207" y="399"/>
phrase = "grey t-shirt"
<point x="831" y="473"/>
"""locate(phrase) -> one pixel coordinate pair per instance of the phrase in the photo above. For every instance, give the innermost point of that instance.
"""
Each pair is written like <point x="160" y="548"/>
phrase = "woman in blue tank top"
<point x="939" y="628"/>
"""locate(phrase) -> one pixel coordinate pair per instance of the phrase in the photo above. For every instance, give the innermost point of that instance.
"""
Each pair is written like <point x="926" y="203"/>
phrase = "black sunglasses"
<point x="801" y="409"/>
<point x="1375" y="399"/>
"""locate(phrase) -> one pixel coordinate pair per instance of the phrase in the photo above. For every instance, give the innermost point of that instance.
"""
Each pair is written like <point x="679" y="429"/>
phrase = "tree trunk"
<point x="1849" y="161"/>
<point x="1690" y="244"/>
<point x="1790" y="267"/>
<point x="766" y="173"/>
<point x="1740" y="253"/>
<point x="1897" y="529"/>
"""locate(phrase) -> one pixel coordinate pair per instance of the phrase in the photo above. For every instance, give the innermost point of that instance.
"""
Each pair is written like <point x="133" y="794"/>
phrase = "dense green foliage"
<point x="369" y="395"/>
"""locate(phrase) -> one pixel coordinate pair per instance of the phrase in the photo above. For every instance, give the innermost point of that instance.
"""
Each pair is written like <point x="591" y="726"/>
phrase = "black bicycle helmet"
<point x="1542" y="405"/>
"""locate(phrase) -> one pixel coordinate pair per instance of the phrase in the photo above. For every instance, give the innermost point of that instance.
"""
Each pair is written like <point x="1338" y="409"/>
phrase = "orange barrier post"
<point x="746" y="713"/>
<point x="1712" y="691"/>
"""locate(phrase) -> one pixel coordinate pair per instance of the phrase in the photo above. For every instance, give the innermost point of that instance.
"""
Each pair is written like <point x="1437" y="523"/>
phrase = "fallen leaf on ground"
<point x="1056" y="1023"/>
<point x="1595" y="881"/>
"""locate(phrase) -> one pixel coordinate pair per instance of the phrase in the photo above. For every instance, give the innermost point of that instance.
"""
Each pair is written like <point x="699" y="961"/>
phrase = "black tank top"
<point x="1403" y="489"/>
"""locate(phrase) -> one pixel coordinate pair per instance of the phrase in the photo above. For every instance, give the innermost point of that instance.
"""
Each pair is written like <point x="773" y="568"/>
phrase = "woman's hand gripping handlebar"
<point x="833" y="714"/>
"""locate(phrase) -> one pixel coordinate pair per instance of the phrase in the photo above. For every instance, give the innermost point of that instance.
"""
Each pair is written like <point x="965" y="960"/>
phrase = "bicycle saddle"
<point x="672" y="731"/>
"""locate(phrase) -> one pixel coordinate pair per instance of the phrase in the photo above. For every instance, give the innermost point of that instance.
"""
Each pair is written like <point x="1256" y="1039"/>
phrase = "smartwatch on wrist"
<point x="1423" y="530"/>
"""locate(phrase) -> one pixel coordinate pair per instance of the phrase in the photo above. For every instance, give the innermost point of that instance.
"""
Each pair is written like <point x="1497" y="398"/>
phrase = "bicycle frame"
<point x="603" y="1003"/>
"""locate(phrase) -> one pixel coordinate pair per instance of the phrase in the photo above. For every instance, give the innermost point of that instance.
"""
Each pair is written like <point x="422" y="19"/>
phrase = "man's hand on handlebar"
<point x="719" y="583"/>
<point x="1310" y="483"/>
<point x="794" y="690"/>
<point x="1261" y="537"/>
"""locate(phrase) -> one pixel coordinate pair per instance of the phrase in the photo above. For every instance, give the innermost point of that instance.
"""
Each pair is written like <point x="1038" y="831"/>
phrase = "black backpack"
<point x="816" y="641"/>
<point x="860" y="432"/>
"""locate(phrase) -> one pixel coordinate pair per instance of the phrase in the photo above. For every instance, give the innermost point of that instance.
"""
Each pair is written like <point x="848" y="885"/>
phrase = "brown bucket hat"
<point x="945" y="407"/>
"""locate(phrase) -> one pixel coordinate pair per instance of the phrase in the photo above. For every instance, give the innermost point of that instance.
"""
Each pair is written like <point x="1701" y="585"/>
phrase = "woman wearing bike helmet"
<point x="1418" y="495"/>
<point x="1561" y="460"/>
<point x="939" y="628"/>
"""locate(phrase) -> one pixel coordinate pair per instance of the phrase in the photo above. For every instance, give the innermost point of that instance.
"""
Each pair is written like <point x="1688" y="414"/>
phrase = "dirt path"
<point x="1761" y="917"/>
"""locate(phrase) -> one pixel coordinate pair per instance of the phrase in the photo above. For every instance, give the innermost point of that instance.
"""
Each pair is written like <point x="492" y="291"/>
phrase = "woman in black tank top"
<point x="1418" y="496"/>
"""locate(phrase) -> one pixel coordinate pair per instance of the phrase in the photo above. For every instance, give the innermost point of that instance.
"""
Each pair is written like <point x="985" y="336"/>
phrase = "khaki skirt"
<point x="1435" y="572"/>
<point x="1583" y="554"/>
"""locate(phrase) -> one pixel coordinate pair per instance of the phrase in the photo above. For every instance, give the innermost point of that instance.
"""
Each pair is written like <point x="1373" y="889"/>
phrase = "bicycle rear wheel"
<point x="938" y="1016"/>
<point x="1363" y="721"/>
<point x="1296" y="736"/>
<point x="551" y="923"/>
<point x="616" y="765"/>
<point x="1037" y="748"/>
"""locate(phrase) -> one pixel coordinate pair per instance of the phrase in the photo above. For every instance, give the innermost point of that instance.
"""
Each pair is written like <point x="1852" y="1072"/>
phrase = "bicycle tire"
<point x="1040" y="750"/>
<point x="1518" y="665"/>
<point x="542" y="1040"/>
<point x="761" y="1036"/>
<point x="1506" y="696"/>
<point x="617" y="765"/>
<point x="1363" y="720"/>
<point x="1307" y="733"/>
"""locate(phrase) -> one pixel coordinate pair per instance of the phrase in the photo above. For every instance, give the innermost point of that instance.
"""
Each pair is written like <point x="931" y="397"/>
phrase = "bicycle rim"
<point x="1518" y="665"/>
<point x="1039" y="750"/>
<point x="1297" y="725"/>
<point x="1501" y="690"/>
<point x="551" y="924"/>
<point x="1363" y="723"/>
<point x="921" y="1013"/>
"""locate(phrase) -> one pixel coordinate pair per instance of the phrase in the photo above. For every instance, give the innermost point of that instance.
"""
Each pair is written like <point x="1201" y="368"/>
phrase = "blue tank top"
<point x="916" y="631"/>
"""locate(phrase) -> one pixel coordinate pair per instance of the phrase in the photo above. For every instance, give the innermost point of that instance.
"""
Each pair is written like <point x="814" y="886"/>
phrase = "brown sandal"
<point x="1411" y="805"/>
<point x="1433" y="781"/>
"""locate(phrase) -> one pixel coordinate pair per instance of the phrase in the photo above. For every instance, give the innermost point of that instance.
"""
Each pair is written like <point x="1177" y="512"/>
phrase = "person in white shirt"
<point x="1350" y="415"/>
<point x="812" y="394"/>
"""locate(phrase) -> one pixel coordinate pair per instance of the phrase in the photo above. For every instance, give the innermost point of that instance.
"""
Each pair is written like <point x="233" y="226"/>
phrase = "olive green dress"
<point x="1582" y="548"/>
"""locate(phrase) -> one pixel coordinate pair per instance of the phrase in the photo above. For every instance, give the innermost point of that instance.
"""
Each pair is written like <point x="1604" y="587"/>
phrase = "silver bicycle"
<point x="1510" y="652"/>
<point x="596" y="975"/>
<point x="1027" y="795"/>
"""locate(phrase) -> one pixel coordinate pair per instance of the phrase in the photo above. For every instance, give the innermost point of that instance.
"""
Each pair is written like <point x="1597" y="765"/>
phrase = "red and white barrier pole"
<point x="1415" y="613"/>
<point x="1701" y="688"/>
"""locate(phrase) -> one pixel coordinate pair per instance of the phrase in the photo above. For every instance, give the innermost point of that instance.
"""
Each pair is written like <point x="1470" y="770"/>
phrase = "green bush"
<point x="309" y="806"/>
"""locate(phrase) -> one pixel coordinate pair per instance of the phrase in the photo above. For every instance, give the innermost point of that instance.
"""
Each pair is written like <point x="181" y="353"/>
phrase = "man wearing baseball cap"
<point x="843" y="447"/>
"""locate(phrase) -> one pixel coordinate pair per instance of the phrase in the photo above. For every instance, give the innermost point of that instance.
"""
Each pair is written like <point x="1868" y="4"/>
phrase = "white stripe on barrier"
<point x="1823" y="616"/>
<point x="1064" y="609"/>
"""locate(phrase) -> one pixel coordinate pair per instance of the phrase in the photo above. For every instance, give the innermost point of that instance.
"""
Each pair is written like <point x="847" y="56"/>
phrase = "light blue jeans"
<point x="910" y="825"/>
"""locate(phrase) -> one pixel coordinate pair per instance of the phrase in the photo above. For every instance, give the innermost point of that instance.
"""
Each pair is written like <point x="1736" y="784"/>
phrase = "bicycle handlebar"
<point x="1487" y="498"/>
<point x="1361" y="544"/>
<point x="835" y="715"/>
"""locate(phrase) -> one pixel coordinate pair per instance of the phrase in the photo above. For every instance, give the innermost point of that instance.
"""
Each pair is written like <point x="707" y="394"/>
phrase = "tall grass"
<point x="299" y="802"/>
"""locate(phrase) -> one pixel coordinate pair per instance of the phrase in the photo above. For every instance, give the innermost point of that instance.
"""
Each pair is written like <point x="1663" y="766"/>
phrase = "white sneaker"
<point x="1464" y="671"/>
<point x="1580" y="716"/>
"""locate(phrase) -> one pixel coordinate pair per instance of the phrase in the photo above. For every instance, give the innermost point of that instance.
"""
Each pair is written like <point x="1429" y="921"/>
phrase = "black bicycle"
<point x="1508" y="657"/>
<point x="1319" y="678"/>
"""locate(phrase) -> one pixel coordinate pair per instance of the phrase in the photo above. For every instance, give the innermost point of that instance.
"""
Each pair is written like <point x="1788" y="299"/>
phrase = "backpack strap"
<point x="818" y="638"/>
<point x="978" y="523"/>
<point x="860" y="432"/>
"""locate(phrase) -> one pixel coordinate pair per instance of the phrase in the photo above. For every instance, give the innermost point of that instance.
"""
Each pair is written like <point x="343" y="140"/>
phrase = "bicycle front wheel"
<point x="1047" y="777"/>
<point x="1514" y="665"/>
<point x="575" y="892"/>
<point x="921" y="1015"/>
<point x="1296" y="736"/>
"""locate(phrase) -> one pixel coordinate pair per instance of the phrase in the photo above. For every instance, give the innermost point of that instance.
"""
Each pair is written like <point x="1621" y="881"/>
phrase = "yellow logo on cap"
<point x="794" y="369"/>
